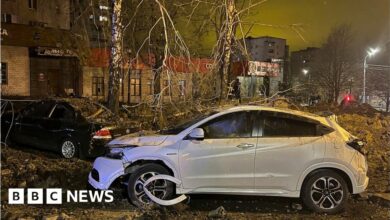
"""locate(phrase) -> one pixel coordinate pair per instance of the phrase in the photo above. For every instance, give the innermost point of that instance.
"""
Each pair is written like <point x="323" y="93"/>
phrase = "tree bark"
<point x="231" y="13"/>
<point x="116" y="57"/>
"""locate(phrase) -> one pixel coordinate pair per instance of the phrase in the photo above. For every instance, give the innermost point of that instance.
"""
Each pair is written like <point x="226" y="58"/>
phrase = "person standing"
<point x="237" y="89"/>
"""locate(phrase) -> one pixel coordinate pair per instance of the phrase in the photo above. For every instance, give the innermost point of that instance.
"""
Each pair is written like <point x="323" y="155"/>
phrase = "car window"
<point x="179" y="128"/>
<point x="39" y="110"/>
<point x="62" y="112"/>
<point x="232" y="125"/>
<point x="285" y="125"/>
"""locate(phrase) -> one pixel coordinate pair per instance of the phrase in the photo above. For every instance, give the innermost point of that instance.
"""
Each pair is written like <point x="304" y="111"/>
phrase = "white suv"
<point x="245" y="150"/>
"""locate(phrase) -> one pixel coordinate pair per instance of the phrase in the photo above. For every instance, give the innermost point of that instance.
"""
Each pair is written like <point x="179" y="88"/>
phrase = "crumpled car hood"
<point x="137" y="140"/>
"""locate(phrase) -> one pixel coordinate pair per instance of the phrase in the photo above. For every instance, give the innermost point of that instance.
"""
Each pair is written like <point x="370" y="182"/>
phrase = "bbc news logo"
<point x="55" y="196"/>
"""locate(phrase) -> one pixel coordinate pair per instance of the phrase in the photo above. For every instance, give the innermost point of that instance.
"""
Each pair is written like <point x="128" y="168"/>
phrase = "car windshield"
<point x="186" y="124"/>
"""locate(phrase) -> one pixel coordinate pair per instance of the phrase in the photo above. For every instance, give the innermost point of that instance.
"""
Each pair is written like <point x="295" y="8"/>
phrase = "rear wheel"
<point x="69" y="148"/>
<point x="326" y="192"/>
<point x="162" y="189"/>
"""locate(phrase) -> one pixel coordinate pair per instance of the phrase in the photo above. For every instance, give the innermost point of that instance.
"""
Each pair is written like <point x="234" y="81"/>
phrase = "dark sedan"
<point x="58" y="126"/>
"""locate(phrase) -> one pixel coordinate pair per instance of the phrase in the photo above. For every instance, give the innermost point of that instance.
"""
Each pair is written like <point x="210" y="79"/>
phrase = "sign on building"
<point x="49" y="51"/>
<point x="257" y="68"/>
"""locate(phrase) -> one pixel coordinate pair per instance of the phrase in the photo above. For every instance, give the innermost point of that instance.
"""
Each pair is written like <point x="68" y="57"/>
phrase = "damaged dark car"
<point x="60" y="126"/>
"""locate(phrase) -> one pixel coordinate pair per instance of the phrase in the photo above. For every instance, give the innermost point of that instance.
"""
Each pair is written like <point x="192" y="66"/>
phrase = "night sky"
<point x="370" y="21"/>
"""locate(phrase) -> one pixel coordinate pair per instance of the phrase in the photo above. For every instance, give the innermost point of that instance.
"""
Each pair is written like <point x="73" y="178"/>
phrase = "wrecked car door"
<point x="224" y="159"/>
<point x="58" y="125"/>
<point x="285" y="142"/>
<point x="28" y="130"/>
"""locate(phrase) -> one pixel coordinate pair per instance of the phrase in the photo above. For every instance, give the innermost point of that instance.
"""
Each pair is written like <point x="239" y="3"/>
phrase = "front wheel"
<point x="162" y="189"/>
<point x="325" y="192"/>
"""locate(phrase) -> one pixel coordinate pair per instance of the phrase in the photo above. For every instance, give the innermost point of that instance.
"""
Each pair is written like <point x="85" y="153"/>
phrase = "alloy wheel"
<point x="158" y="188"/>
<point x="68" y="149"/>
<point x="327" y="193"/>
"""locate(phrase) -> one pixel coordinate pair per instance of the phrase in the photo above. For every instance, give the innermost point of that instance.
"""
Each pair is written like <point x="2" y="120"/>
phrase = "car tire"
<point x="69" y="148"/>
<point x="325" y="192"/>
<point x="135" y="190"/>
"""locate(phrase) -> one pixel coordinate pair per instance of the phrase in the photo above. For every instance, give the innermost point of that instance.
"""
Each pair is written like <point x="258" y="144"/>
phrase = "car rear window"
<point x="62" y="112"/>
<point x="276" y="124"/>
<point x="282" y="127"/>
<point x="40" y="109"/>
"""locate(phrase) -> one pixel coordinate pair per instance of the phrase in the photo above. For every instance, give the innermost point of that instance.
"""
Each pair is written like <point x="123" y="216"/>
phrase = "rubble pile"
<point x="40" y="170"/>
<point x="29" y="168"/>
<point x="375" y="132"/>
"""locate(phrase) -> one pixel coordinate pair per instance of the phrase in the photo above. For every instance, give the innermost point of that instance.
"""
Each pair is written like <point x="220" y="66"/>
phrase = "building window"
<point x="4" y="73"/>
<point x="150" y="86"/>
<point x="135" y="83"/>
<point x="182" y="87"/>
<point x="97" y="86"/>
<point x="32" y="4"/>
<point x="167" y="88"/>
<point x="6" y="18"/>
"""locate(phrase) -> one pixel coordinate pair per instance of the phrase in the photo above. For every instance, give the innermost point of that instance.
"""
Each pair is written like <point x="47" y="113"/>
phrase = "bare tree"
<point x="378" y="78"/>
<point x="335" y="63"/>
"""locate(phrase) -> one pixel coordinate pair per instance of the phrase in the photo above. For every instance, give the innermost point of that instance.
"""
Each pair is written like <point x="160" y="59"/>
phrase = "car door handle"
<point x="245" y="146"/>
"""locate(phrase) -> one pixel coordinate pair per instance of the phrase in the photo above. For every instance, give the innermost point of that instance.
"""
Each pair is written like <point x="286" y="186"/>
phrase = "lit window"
<point x="135" y="83"/>
<point x="103" y="7"/>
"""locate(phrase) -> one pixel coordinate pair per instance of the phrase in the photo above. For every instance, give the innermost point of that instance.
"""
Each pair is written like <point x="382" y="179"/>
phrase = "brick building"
<point x="137" y="85"/>
<point x="36" y="53"/>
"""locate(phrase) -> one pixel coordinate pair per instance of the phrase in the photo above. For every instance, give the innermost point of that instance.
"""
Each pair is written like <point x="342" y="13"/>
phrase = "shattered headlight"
<point x="115" y="153"/>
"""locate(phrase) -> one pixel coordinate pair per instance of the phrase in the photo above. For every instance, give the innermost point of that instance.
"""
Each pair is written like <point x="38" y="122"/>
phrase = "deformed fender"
<point x="160" y="201"/>
<point x="324" y="166"/>
<point x="166" y="162"/>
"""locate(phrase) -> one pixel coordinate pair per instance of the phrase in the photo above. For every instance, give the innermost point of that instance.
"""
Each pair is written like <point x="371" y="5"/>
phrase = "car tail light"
<point x="357" y="145"/>
<point x="102" y="134"/>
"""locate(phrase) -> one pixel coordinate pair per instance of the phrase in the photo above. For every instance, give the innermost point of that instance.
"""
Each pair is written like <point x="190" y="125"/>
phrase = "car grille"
<point x="95" y="174"/>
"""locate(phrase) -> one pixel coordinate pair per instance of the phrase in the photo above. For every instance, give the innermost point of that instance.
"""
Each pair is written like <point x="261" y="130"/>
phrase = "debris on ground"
<point x="29" y="168"/>
<point x="296" y="206"/>
<point x="219" y="212"/>
<point x="382" y="199"/>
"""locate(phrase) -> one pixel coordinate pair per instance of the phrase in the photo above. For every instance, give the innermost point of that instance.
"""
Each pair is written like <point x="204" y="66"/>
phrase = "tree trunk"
<point x="116" y="57"/>
<point x="227" y="45"/>
<point x="387" y="101"/>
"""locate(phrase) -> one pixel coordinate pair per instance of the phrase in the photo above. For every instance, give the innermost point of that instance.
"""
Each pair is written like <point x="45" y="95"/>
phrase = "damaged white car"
<point x="245" y="150"/>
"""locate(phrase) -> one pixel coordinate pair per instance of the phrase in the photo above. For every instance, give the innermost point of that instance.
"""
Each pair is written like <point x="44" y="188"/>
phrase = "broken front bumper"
<point x="105" y="171"/>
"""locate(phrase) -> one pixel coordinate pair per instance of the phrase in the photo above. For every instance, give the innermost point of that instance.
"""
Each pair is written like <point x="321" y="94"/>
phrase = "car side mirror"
<point x="196" y="134"/>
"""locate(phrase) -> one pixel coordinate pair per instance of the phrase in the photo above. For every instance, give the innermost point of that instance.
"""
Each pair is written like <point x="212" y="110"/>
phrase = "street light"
<point x="306" y="72"/>
<point x="371" y="52"/>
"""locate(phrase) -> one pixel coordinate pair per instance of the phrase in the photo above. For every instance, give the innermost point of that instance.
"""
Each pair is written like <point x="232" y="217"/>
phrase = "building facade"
<point x="137" y="81"/>
<point x="36" y="57"/>
<point x="301" y="64"/>
<point x="263" y="52"/>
